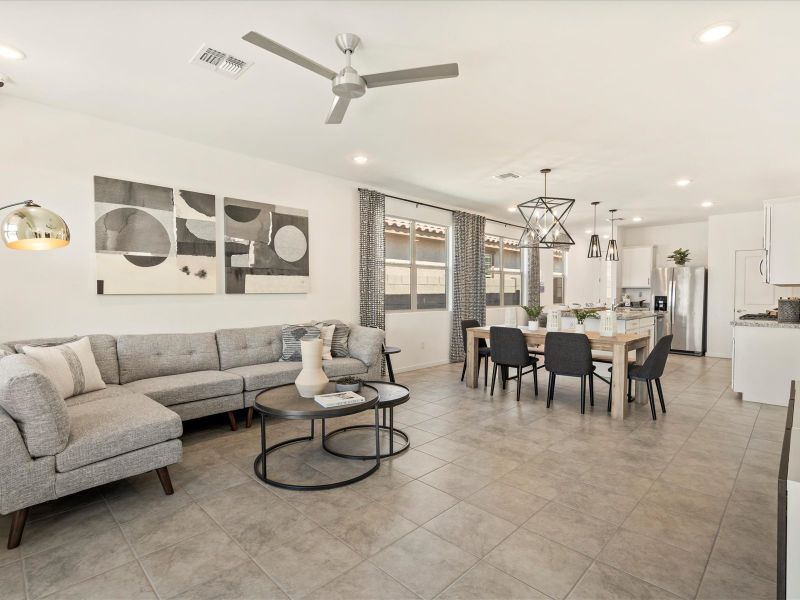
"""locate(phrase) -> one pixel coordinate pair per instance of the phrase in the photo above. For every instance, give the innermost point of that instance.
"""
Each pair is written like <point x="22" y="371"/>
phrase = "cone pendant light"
<point x="594" y="243"/>
<point x="612" y="253"/>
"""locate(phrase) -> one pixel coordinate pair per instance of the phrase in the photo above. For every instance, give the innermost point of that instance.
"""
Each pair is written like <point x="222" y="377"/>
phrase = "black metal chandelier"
<point x="594" y="243"/>
<point x="544" y="221"/>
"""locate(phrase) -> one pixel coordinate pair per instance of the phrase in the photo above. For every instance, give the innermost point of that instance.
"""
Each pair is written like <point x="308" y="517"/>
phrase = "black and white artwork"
<point x="153" y="240"/>
<point x="266" y="248"/>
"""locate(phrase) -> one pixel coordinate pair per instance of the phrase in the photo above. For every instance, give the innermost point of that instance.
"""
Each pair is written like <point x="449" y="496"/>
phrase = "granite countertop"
<point x="622" y="315"/>
<point x="773" y="324"/>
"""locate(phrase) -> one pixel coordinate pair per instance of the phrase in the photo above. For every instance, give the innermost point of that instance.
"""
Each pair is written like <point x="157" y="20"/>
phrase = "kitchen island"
<point x="766" y="359"/>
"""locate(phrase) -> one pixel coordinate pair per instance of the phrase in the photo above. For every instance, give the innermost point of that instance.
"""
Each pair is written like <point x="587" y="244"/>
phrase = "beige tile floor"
<point x="495" y="500"/>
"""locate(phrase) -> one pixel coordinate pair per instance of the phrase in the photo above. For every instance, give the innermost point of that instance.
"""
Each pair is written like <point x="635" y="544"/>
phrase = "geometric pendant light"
<point x="594" y="242"/>
<point x="544" y="221"/>
<point x="612" y="252"/>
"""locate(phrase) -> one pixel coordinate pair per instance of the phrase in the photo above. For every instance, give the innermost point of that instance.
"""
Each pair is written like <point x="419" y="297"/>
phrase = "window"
<point x="559" y="275"/>
<point x="416" y="265"/>
<point x="503" y="271"/>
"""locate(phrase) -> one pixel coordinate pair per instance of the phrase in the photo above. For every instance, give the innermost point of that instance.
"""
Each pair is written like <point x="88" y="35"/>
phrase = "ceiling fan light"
<point x="594" y="247"/>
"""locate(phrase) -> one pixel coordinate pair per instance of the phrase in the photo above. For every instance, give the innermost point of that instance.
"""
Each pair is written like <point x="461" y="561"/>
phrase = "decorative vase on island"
<point x="312" y="379"/>
<point x="554" y="320"/>
<point x="580" y="328"/>
<point x="533" y="325"/>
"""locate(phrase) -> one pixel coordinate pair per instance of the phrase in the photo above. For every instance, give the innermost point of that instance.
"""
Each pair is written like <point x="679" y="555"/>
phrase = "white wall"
<point x="726" y="235"/>
<point x="667" y="238"/>
<point x="51" y="156"/>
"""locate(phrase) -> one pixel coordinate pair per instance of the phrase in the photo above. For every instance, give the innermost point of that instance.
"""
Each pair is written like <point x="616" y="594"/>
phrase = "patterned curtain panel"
<point x="469" y="281"/>
<point x="372" y="211"/>
<point x="534" y="278"/>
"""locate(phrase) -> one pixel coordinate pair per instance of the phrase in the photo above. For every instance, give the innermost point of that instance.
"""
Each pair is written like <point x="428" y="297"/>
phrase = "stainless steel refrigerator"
<point x="680" y="292"/>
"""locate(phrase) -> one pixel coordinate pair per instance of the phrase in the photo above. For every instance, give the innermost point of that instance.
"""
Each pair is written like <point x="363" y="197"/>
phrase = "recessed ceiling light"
<point x="11" y="53"/>
<point x="716" y="32"/>
<point x="683" y="182"/>
<point x="707" y="204"/>
<point x="360" y="160"/>
<point x="512" y="209"/>
<point x="637" y="219"/>
<point x="588" y="232"/>
<point x="606" y="236"/>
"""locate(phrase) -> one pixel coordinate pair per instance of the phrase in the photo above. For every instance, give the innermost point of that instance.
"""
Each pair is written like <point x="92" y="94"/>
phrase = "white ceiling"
<point x="617" y="97"/>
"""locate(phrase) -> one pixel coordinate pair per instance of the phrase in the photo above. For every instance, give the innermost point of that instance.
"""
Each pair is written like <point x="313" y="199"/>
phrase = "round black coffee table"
<point x="285" y="403"/>
<point x="389" y="396"/>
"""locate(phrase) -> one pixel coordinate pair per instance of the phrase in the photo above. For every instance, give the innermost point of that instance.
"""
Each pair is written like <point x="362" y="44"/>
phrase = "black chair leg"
<point x="583" y="395"/>
<point x="661" y="395"/>
<point x="519" y="382"/>
<point x="535" y="380"/>
<point x="650" y="395"/>
<point x="486" y="372"/>
<point x="630" y="397"/>
<point x="464" y="370"/>
<point x="610" y="387"/>
<point x="551" y="385"/>
<point x="591" y="390"/>
<point x="503" y="375"/>
<point x="494" y="376"/>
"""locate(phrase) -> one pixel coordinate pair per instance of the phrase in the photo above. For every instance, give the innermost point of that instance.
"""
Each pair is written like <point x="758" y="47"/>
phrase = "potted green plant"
<point x="533" y="316"/>
<point x="348" y="384"/>
<point x="680" y="256"/>
<point x="580" y="316"/>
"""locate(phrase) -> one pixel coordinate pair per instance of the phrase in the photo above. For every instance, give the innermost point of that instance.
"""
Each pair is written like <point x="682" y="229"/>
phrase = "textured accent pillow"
<point x="71" y="367"/>
<point x="291" y="336"/>
<point x="326" y="333"/>
<point x="339" y="347"/>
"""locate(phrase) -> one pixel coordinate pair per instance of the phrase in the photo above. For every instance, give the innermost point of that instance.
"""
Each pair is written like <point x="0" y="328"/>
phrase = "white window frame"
<point x="412" y="266"/>
<point x="560" y="275"/>
<point x="501" y="271"/>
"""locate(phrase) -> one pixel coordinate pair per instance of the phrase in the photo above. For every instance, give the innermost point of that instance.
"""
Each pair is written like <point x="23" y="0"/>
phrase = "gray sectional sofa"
<point x="51" y="447"/>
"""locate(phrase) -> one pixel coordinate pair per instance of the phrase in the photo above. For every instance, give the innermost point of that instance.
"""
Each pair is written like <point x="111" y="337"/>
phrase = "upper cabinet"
<point x="637" y="266"/>
<point x="782" y="242"/>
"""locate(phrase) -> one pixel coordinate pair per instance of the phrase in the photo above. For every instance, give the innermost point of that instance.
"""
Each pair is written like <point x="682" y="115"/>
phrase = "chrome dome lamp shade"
<point x="32" y="227"/>
<point x="594" y="243"/>
<point x="544" y="221"/>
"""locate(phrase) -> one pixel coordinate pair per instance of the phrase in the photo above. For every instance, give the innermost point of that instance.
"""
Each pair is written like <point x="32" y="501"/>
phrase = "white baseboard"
<point x="437" y="363"/>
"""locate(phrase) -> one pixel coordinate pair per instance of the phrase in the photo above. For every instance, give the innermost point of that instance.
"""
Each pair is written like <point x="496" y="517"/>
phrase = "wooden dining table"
<point x="619" y="345"/>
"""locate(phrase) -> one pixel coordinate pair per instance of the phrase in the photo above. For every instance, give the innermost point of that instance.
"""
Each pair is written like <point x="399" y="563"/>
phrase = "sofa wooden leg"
<point x="166" y="482"/>
<point x="248" y="420"/>
<point x="17" y="526"/>
<point x="232" y="419"/>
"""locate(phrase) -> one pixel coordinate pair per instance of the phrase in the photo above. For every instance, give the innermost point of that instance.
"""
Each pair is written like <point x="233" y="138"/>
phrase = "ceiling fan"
<point x="347" y="83"/>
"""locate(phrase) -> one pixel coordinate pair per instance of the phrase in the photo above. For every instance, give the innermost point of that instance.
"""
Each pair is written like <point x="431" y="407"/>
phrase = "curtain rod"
<point x="450" y="210"/>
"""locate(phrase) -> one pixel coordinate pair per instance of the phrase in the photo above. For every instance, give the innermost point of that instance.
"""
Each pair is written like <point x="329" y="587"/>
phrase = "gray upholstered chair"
<point x="510" y="350"/>
<point x="50" y="448"/>
<point x="651" y="370"/>
<point x="569" y="354"/>
<point x="484" y="352"/>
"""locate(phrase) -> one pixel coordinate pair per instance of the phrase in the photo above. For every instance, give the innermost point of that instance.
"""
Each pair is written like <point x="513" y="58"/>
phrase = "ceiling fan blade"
<point x="284" y="52"/>
<point x="411" y="75"/>
<point x="338" y="109"/>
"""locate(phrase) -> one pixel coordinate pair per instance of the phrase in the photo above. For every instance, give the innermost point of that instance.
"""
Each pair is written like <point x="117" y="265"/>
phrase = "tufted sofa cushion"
<point x="249" y="346"/>
<point x="188" y="387"/>
<point x="157" y="355"/>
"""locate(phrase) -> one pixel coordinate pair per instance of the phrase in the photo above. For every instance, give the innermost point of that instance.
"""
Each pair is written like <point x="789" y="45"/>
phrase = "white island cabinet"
<point x="766" y="359"/>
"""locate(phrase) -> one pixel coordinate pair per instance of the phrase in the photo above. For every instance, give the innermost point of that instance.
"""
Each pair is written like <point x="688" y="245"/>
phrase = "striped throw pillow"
<point x="339" y="348"/>
<point x="291" y="336"/>
<point x="70" y="366"/>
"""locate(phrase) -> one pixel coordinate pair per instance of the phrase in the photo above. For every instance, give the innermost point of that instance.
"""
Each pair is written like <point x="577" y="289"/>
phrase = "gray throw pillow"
<point x="291" y="336"/>
<point x="32" y="400"/>
<point x="339" y="348"/>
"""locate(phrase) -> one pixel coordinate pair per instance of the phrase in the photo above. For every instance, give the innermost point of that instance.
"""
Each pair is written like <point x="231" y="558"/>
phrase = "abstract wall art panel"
<point x="153" y="240"/>
<point x="266" y="248"/>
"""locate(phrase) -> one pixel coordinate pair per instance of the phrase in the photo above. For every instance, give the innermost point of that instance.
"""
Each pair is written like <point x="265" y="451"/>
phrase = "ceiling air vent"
<point x="506" y="176"/>
<point x="218" y="61"/>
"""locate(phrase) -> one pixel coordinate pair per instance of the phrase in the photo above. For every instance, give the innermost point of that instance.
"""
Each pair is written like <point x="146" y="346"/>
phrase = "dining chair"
<point x="569" y="354"/>
<point x="484" y="352"/>
<point x="651" y="370"/>
<point x="510" y="350"/>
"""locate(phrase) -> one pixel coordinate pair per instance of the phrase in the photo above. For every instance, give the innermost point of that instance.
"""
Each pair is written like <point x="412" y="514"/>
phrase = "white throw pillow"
<point x="71" y="366"/>
<point x="326" y="333"/>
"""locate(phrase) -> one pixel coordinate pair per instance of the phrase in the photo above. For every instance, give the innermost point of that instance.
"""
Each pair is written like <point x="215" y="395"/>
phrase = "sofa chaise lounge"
<point x="153" y="382"/>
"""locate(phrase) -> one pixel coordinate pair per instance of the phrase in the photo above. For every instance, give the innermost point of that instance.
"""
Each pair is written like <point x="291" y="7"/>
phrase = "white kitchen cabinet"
<point x="637" y="266"/>
<point x="782" y="242"/>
